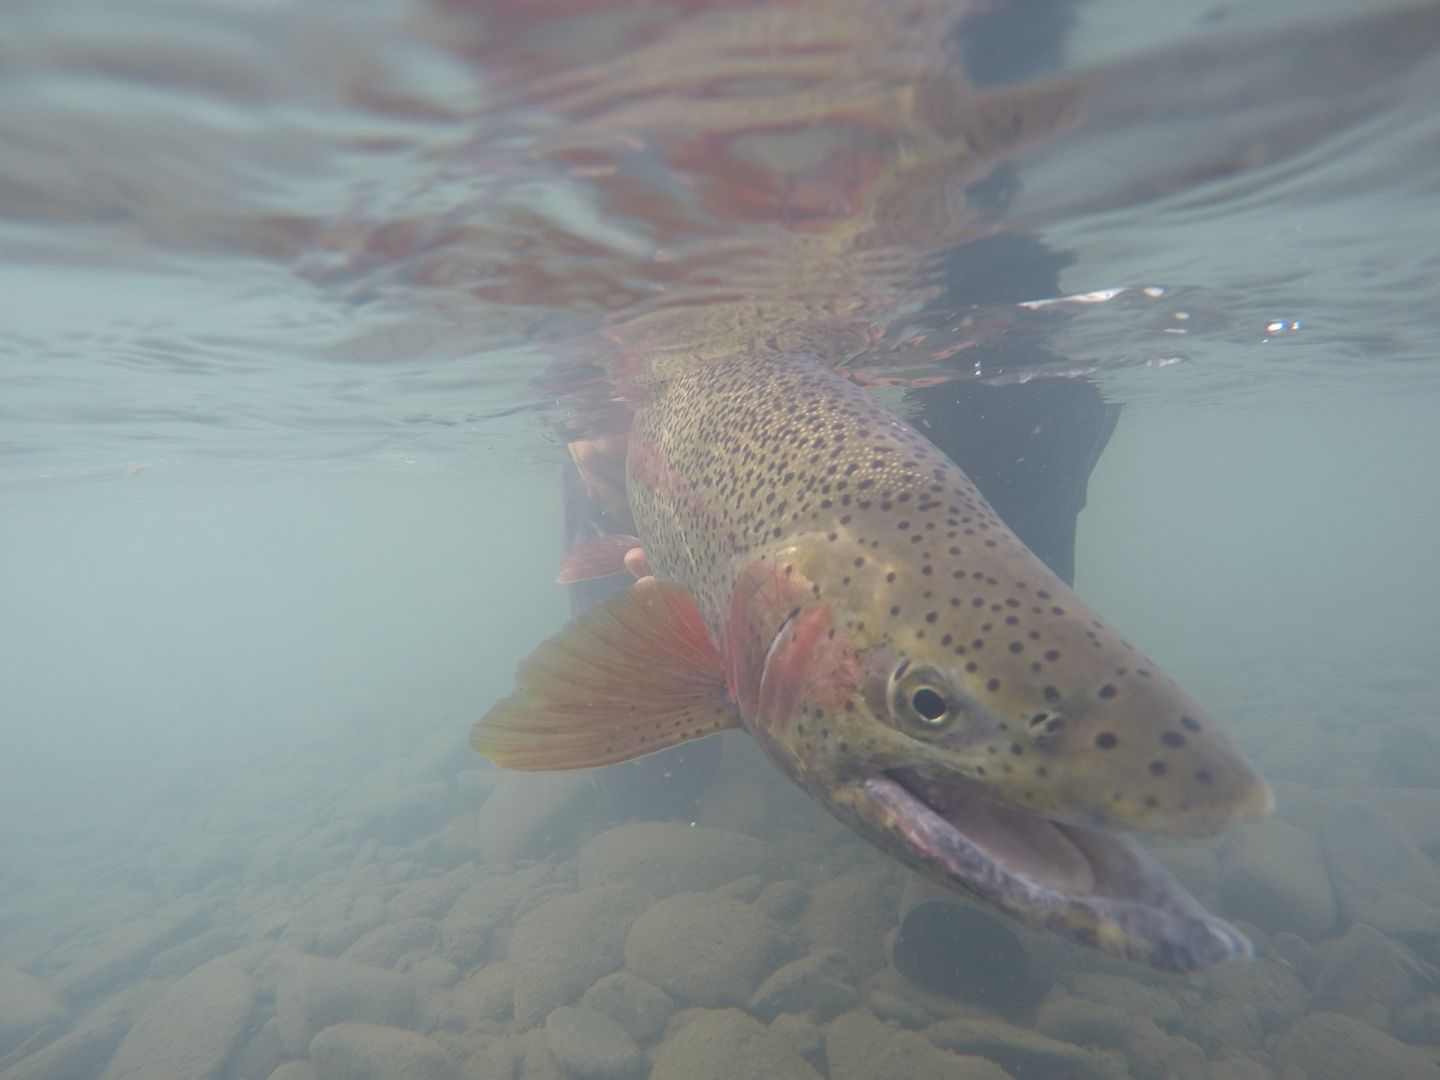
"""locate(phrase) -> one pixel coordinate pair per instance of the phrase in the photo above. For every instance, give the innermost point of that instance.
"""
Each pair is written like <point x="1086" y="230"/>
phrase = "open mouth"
<point x="1090" y="884"/>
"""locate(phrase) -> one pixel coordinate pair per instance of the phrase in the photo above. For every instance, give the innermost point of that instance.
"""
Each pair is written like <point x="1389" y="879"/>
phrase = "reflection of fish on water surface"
<point x="824" y="577"/>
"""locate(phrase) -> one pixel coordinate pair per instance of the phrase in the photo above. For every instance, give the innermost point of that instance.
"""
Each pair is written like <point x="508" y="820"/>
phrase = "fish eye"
<point x="921" y="698"/>
<point x="929" y="704"/>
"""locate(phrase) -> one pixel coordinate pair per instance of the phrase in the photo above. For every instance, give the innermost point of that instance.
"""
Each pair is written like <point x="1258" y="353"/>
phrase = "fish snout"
<point x="1159" y="766"/>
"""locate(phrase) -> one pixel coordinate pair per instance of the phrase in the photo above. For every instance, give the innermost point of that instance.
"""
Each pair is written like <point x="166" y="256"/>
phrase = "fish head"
<point x="990" y="730"/>
<point x="1051" y="712"/>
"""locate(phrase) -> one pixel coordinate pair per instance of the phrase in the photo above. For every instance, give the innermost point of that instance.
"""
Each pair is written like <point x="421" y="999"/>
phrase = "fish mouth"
<point x="1088" y="883"/>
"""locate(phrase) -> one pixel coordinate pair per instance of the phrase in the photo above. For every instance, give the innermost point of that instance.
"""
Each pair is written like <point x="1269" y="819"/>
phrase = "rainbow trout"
<point x="829" y="581"/>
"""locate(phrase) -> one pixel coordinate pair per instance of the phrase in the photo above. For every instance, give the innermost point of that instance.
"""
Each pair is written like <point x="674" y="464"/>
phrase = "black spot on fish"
<point x="1107" y="740"/>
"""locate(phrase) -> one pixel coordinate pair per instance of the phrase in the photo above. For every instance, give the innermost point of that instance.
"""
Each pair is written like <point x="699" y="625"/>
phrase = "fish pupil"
<point x="928" y="704"/>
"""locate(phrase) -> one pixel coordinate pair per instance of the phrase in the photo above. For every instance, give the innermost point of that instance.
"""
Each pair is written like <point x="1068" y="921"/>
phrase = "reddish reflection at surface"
<point x="735" y="173"/>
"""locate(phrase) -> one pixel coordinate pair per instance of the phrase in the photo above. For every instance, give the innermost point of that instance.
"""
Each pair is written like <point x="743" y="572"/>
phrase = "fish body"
<point x="827" y="579"/>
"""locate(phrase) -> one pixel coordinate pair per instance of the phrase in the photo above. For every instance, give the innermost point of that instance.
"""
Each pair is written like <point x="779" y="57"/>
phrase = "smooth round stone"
<point x="641" y="1008"/>
<point x="592" y="1046"/>
<point x="379" y="1052"/>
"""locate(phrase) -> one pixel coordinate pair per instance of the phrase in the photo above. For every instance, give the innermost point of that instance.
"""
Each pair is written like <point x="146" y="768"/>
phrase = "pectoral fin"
<point x="598" y="557"/>
<point x="638" y="674"/>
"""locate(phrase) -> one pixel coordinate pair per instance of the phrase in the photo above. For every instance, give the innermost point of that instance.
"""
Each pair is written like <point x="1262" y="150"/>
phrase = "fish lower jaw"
<point x="1090" y="884"/>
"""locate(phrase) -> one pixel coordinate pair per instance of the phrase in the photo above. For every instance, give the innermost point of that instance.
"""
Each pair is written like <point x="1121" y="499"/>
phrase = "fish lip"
<point x="1088" y="883"/>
